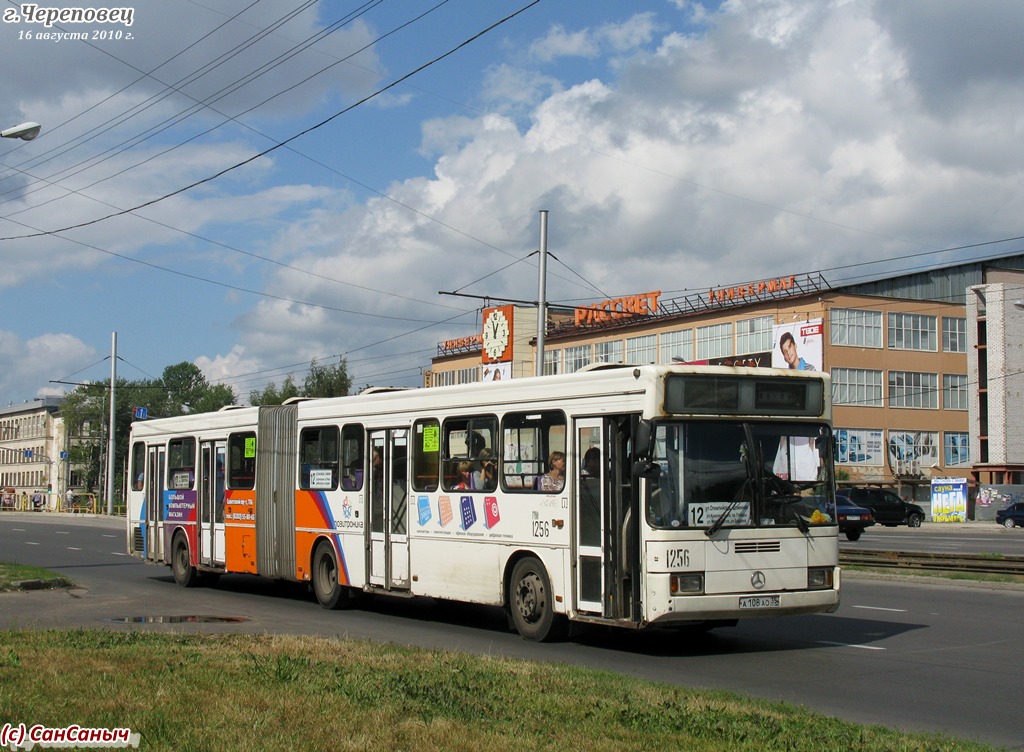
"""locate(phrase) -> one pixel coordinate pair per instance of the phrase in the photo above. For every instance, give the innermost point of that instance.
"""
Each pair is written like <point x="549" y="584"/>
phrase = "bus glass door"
<point x="211" y="504"/>
<point x="155" y="503"/>
<point x="590" y="515"/>
<point x="389" y="509"/>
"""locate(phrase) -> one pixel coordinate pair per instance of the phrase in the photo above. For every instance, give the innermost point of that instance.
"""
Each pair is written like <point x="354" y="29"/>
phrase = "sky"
<point x="251" y="185"/>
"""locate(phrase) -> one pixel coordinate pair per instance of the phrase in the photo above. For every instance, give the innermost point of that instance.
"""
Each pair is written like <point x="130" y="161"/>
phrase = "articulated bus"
<point x="632" y="496"/>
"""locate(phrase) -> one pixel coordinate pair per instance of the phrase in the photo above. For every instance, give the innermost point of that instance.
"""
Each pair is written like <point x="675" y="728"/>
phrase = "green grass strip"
<point x="256" y="692"/>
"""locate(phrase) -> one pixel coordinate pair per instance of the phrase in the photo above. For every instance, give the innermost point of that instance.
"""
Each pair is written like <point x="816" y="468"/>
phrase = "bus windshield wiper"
<point x="717" y="524"/>
<point x="751" y="460"/>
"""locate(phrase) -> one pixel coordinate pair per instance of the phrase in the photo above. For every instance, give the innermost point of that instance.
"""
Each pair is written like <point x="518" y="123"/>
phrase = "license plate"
<point x="853" y="516"/>
<point x="760" y="601"/>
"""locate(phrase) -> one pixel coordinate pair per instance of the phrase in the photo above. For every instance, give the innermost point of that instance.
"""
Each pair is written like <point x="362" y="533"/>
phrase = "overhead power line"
<point x="285" y="142"/>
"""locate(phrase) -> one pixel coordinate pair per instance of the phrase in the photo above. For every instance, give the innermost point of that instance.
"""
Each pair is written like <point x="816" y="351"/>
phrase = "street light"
<point x="25" y="131"/>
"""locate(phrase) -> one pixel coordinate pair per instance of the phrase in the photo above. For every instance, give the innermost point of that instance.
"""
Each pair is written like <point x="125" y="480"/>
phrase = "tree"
<point x="187" y="391"/>
<point x="271" y="396"/>
<point x="327" y="381"/>
<point x="321" y="381"/>
<point x="86" y="412"/>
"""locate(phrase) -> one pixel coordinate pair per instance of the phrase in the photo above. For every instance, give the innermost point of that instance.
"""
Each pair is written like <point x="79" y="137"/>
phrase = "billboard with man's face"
<point x="799" y="345"/>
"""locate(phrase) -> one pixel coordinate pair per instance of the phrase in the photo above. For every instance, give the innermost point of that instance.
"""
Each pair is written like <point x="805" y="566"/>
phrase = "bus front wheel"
<point x="330" y="593"/>
<point x="531" y="603"/>
<point x="185" y="574"/>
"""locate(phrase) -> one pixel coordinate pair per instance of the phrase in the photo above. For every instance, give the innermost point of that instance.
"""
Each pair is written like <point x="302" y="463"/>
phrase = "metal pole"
<point x="110" y="431"/>
<point x="542" y="306"/>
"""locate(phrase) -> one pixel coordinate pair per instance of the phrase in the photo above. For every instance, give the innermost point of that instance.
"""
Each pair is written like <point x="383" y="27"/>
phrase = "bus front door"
<point x="590" y="515"/>
<point x="606" y="537"/>
<point x="389" y="510"/>
<point x="155" y="503"/>
<point x="211" y="504"/>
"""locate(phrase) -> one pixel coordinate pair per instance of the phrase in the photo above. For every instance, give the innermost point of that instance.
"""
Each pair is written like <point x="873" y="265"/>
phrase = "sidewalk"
<point x="953" y="527"/>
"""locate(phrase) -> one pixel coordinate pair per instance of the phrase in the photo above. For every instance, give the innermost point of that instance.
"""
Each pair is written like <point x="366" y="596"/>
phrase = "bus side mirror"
<point x="642" y="440"/>
<point x="646" y="469"/>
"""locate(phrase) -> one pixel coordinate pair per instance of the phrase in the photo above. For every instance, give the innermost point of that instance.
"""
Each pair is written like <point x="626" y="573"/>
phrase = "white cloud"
<point x="30" y="365"/>
<point x="591" y="42"/>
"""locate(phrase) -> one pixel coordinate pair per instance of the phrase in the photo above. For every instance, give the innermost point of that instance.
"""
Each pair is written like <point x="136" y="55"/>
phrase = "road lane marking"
<point x="31" y="543"/>
<point x="879" y="608"/>
<point x="72" y="548"/>
<point x="849" y="645"/>
<point x="63" y="532"/>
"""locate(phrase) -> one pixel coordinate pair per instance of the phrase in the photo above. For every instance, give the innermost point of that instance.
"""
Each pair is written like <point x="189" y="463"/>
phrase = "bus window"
<point x="426" y="454"/>
<point x="242" y="461"/>
<point x="181" y="464"/>
<point x="527" y="440"/>
<point x="318" y="455"/>
<point x="352" y="458"/>
<point x="138" y="465"/>
<point x="467" y="443"/>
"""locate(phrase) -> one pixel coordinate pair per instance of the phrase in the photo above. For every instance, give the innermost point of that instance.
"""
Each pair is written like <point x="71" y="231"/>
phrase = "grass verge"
<point x="257" y="692"/>
<point x="15" y="577"/>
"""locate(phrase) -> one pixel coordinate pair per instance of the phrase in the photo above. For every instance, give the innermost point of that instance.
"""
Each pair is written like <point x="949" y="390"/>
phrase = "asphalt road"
<point x="912" y="655"/>
<point x="932" y="537"/>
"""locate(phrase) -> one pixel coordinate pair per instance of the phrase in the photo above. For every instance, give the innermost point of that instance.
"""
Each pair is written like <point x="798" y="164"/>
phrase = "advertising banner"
<point x="949" y="500"/>
<point x="799" y="345"/>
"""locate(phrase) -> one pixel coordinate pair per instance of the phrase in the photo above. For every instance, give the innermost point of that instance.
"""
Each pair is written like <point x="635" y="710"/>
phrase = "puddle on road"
<point x="178" y="619"/>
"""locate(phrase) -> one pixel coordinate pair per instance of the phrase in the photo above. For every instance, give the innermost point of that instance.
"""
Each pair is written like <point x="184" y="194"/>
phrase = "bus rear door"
<point x="155" y="503"/>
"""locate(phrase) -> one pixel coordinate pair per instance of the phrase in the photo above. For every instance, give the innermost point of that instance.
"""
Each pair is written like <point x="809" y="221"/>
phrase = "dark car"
<point x="1012" y="516"/>
<point x="888" y="508"/>
<point x="852" y="518"/>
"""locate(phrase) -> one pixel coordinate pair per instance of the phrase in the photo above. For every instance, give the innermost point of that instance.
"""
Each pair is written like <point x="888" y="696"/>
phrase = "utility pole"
<point x="542" y="306"/>
<point x="110" y="431"/>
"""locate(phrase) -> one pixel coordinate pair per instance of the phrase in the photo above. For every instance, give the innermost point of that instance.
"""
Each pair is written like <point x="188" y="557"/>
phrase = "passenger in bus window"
<point x="486" y="478"/>
<point x="377" y="476"/>
<point x="465" y="479"/>
<point x="554" y="479"/>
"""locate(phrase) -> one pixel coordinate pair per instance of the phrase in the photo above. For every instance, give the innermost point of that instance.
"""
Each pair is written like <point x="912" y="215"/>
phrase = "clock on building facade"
<point x="496" y="335"/>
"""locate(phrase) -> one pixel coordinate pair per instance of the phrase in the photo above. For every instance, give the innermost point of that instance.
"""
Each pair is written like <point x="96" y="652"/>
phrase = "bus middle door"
<point x="389" y="509"/>
<point x="211" y="503"/>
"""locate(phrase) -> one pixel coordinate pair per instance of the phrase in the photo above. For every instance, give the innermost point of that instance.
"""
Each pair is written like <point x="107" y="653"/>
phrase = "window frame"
<point x="904" y="326"/>
<point x="954" y="334"/>
<point x="860" y="323"/>
<point x="174" y="455"/>
<point x="903" y="395"/>
<point x="754" y="335"/>
<point x="323" y="460"/>
<point x="455" y="451"/>
<point x="839" y="383"/>
<point x="238" y="476"/>
<point x="709" y="338"/>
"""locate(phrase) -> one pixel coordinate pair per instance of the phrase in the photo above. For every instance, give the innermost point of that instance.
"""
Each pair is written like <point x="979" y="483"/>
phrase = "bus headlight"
<point x="819" y="578"/>
<point x="687" y="584"/>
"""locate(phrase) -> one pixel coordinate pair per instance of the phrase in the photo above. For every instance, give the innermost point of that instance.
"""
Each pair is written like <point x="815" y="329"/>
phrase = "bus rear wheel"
<point x="531" y="603"/>
<point x="330" y="593"/>
<point x="185" y="574"/>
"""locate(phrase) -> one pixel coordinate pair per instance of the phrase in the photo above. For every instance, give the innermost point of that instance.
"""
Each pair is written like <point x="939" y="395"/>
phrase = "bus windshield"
<point x="714" y="474"/>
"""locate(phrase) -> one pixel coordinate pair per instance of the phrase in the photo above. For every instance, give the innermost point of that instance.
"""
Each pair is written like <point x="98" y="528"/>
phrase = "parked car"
<point x="852" y="518"/>
<point x="886" y="507"/>
<point x="1011" y="516"/>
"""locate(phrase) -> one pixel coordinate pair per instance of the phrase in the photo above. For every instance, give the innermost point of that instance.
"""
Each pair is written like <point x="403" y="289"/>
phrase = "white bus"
<point x="628" y="496"/>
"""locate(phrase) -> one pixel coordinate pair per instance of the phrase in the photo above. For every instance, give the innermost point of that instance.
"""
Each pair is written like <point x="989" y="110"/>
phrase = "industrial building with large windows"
<point x="924" y="366"/>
